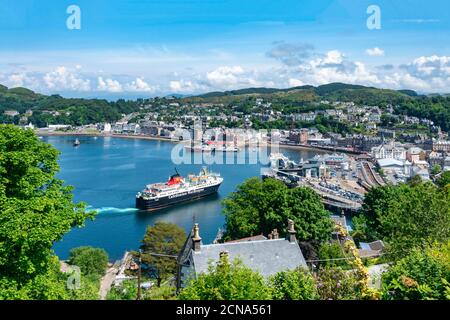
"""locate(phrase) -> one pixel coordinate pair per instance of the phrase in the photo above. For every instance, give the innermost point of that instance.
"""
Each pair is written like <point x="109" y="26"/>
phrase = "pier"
<point x="339" y="193"/>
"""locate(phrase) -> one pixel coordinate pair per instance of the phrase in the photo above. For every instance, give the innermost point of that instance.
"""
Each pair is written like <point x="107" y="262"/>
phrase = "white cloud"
<point x="64" y="79"/>
<point x="139" y="85"/>
<point x="17" y="79"/>
<point x="430" y="67"/>
<point x="109" y="85"/>
<point x="225" y="76"/>
<point x="333" y="56"/>
<point x="185" y="86"/>
<point x="295" y="82"/>
<point x="375" y="52"/>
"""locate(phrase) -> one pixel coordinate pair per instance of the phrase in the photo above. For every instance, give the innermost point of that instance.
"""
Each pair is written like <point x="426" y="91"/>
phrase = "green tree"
<point x="227" y="281"/>
<point x="127" y="290"/>
<point x="36" y="210"/>
<point x="420" y="275"/>
<point x="415" y="180"/>
<point x="296" y="284"/>
<point x="92" y="261"/>
<point x="165" y="239"/>
<point x="329" y="251"/>
<point x="405" y="216"/>
<point x="260" y="206"/>
<point x="444" y="179"/>
<point x="335" y="283"/>
<point x="435" y="169"/>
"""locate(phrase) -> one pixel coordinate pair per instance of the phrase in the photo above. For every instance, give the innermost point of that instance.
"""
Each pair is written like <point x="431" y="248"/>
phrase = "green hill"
<point x="332" y="91"/>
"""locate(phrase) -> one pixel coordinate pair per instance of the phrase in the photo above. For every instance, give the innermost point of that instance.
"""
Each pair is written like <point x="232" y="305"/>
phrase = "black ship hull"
<point x="161" y="203"/>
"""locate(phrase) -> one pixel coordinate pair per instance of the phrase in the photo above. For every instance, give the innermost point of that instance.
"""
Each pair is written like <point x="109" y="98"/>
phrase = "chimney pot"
<point x="275" y="234"/>
<point x="291" y="231"/>
<point x="196" y="239"/>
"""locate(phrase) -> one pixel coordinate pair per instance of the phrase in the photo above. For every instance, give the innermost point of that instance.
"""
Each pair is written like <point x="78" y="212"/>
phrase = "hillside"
<point x="333" y="91"/>
<point x="55" y="109"/>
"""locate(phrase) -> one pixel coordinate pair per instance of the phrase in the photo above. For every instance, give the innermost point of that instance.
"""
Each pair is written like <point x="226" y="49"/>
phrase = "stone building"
<point x="265" y="255"/>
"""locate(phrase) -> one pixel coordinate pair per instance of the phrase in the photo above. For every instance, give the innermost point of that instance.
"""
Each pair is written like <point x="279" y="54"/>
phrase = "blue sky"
<point x="130" y="48"/>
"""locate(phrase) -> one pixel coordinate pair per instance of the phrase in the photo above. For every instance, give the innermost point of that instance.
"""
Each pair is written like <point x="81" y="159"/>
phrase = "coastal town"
<point x="389" y="149"/>
<point x="225" y="159"/>
<point x="398" y="147"/>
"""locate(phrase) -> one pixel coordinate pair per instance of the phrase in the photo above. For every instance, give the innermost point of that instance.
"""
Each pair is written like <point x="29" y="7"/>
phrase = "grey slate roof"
<point x="265" y="256"/>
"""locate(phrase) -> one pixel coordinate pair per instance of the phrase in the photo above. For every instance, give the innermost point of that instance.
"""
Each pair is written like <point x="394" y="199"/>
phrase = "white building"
<point x="389" y="151"/>
<point x="396" y="167"/>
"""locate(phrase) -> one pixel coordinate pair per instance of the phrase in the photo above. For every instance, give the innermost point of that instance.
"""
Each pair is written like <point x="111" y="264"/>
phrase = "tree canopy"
<point x="227" y="281"/>
<point x="166" y="239"/>
<point x="405" y="216"/>
<point x="423" y="274"/>
<point x="296" y="284"/>
<point x="91" y="261"/>
<point x="260" y="206"/>
<point x="36" y="209"/>
<point x="444" y="179"/>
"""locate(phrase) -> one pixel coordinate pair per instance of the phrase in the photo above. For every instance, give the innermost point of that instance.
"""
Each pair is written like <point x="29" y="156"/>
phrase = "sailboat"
<point x="76" y="143"/>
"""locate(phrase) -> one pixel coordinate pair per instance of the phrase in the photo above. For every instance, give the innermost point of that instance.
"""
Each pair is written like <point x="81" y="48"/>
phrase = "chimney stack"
<point x="196" y="240"/>
<point x="291" y="231"/>
<point x="275" y="234"/>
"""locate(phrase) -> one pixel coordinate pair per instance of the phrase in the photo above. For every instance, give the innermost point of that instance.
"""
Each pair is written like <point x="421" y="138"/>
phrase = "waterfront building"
<point x="299" y="136"/>
<point x="104" y="127"/>
<point x="359" y="142"/>
<point x="401" y="168"/>
<point x="53" y="127"/>
<point x="266" y="255"/>
<point x="389" y="151"/>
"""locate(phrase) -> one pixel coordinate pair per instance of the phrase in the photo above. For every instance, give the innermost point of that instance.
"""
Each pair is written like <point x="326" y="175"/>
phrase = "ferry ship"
<point x="178" y="189"/>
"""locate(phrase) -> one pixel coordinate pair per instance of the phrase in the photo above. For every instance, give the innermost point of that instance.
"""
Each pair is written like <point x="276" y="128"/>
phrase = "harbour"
<point x="106" y="173"/>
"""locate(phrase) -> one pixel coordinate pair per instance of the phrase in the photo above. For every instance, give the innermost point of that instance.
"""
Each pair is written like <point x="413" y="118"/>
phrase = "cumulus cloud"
<point x="109" y="85"/>
<point x="375" y="52"/>
<point x="184" y="86"/>
<point x="64" y="79"/>
<point x="225" y="76"/>
<point x="140" y="85"/>
<point x="429" y="67"/>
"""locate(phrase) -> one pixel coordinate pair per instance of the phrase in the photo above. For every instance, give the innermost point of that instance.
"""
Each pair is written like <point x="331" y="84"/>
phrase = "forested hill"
<point x="56" y="109"/>
<point x="408" y="102"/>
<point x="332" y="91"/>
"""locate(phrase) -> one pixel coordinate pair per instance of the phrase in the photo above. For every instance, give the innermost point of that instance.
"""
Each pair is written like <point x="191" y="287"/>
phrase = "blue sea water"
<point x="107" y="172"/>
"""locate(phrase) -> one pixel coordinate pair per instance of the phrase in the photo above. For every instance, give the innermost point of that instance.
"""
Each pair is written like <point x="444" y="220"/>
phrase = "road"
<point x="107" y="280"/>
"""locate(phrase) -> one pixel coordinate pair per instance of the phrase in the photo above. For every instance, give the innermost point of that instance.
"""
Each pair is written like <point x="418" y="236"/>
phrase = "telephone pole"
<point x="139" y="277"/>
